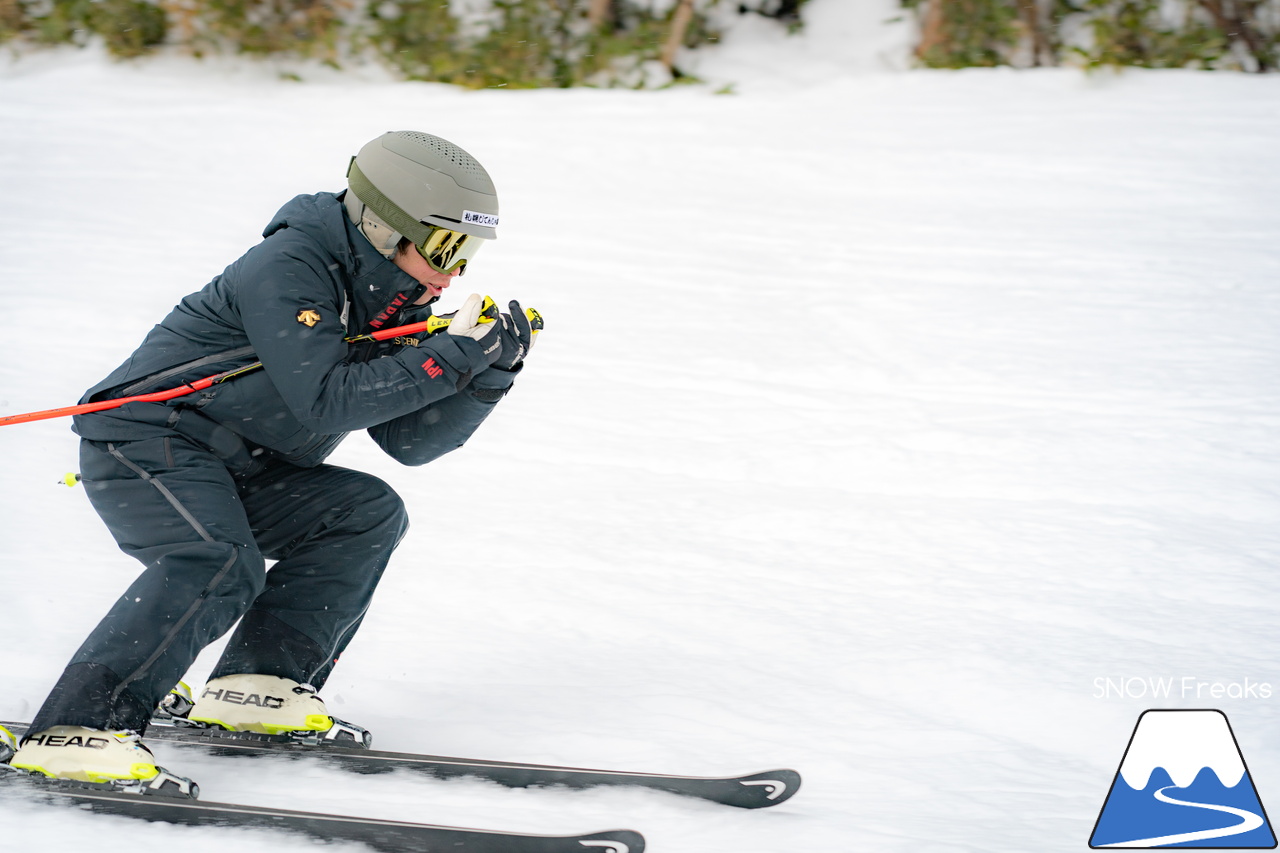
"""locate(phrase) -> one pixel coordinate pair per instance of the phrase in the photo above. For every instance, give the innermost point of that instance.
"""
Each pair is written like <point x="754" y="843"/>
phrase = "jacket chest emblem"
<point x="308" y="317"/>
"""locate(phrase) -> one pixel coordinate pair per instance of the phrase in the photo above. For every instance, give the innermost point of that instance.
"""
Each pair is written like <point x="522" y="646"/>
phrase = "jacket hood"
<point x="380" y="292"/>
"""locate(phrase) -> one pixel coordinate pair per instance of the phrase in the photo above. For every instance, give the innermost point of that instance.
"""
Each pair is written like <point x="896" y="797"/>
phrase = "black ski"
<point x="754" y="791"/>
<point x="389" y="836"/>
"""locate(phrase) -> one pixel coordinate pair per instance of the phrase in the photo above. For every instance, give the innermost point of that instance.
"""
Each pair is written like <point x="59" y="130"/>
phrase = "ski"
<point x="754" y="791"/>
<point x="388" y="836"/>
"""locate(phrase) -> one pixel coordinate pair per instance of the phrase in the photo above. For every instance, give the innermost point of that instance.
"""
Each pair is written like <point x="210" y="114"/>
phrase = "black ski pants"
<point x="204" y="537"/>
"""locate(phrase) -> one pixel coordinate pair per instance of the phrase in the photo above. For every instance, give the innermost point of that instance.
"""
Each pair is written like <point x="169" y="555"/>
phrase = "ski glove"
<point x="519" y="331"/>
<point x="478" y="319"/>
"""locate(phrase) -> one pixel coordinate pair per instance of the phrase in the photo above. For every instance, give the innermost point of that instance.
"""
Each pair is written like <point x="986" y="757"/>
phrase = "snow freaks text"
<point x="1178" y="687"/>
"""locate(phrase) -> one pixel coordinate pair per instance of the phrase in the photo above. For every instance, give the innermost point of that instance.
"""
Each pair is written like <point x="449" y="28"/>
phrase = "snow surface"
<point x="878" y="422"/>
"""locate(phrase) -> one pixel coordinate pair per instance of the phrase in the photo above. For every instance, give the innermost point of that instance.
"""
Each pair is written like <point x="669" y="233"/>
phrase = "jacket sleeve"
<point x="305" y="357"/>
<point x="429" y="433"/>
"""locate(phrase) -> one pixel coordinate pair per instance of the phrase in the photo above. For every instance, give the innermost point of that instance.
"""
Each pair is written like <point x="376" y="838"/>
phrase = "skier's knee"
<point x="237" y="572"/>
<point x="378" y="507"/>
<point x="251" y="568"/>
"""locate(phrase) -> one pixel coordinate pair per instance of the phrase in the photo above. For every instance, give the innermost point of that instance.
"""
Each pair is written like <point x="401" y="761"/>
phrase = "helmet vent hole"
<point x="445" y="149"/>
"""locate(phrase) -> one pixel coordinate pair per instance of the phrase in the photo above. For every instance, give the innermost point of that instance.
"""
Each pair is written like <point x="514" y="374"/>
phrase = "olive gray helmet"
<point x="405" y="182"/>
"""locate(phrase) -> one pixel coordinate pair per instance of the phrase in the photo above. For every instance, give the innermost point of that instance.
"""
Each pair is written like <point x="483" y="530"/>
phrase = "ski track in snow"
<point x="873" y="421"/>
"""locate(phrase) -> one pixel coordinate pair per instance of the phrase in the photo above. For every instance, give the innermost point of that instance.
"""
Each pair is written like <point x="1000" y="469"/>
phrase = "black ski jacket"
<point x="289" y="302"/>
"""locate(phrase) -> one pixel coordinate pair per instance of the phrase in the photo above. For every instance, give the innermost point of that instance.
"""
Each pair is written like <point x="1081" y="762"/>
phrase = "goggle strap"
<point x="390" y="212"/>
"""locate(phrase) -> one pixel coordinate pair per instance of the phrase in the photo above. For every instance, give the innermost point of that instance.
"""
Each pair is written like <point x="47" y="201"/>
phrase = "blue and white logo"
<point x="1183" y="783"/>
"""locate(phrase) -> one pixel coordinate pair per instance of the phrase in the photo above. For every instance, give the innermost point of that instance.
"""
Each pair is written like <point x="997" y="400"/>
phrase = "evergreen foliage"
<point x="128" y="27"/>
<point x="1208" y="34"/>
<point x="310" y="28"/>
<point x="515" y="43"/>
<point x="965" y="33"/>
<point x="561" y="43"/>
<point x="523" y="43"/>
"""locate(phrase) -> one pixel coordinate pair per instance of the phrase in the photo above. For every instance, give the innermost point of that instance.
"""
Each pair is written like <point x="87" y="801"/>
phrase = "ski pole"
<point x="432" y="325"/>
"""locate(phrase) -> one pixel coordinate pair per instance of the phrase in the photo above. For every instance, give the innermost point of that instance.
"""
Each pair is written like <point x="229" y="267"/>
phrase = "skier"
<point x="203" y="489"/>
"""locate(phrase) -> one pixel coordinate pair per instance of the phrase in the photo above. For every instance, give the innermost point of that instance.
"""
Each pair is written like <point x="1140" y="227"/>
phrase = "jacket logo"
<point x="434" y="370"/>
<point x="308" y="317"/>
<point x="389" y="312"/>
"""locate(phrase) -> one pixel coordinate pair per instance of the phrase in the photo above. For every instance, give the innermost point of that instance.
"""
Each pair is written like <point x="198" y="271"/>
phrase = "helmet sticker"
<point x="473" y="218"/>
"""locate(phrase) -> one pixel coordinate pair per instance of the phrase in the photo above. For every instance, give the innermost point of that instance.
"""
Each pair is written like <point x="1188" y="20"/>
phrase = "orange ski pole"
<point x="430" y="326"/>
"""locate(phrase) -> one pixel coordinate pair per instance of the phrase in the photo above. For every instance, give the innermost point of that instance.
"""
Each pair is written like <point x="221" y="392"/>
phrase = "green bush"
<point x="129" y="27"/>
<point x="966" y="33"/>
<point x="1147" y="33"/>
<point x="61" y="22"/>
<point x="419" y="38"/>
<point x="307" y="28"/>
<point x="531" y="44"/>
<point x="521" y="44"/>
<point x="560" y="43"/>
<point x="518" y="43"/>
<point x="1133" y="32"/>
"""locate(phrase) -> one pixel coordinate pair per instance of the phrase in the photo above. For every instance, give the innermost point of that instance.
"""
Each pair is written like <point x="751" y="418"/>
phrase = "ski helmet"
<point x="407" y="183"/>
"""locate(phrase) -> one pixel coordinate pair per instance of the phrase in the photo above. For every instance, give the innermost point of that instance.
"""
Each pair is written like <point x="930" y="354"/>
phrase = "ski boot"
<point x="175" y="706"/>
<point x="8" y="747"/>
<point x="273" y="706"/>
<point x="114" y="760"/>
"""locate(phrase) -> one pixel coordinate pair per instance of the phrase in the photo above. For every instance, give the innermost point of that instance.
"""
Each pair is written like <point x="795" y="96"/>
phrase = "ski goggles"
<point x="447" y="250"/>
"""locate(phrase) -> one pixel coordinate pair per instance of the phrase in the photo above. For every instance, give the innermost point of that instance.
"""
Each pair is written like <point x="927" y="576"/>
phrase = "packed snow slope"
<point x="879" y="419"/>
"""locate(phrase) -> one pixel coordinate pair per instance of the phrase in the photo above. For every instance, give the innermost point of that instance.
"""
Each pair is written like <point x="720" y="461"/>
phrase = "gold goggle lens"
<point x="447" y="250"/>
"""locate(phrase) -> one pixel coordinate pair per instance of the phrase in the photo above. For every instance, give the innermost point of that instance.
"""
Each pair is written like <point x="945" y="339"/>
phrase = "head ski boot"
<point x="114" y="759"/>
<point x="270" y="705"/>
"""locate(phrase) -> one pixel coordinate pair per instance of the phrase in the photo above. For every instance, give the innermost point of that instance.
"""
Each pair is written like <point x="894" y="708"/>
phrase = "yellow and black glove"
<point x="519" y="332"/>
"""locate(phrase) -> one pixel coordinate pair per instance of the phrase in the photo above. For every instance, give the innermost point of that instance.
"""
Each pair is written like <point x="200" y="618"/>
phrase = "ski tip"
<point x="769" y="788"/>
<point x="613" y="841"/>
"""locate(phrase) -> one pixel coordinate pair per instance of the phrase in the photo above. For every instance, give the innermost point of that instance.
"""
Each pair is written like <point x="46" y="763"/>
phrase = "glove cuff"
<point x="493" y="384"/>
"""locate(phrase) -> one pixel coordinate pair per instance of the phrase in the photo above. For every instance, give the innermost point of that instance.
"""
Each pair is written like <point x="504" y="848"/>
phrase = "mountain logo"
<point x="1183" y="783"/>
